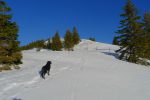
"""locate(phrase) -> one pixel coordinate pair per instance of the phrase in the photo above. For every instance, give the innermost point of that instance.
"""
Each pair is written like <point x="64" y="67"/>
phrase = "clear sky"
<point x="40" y="19"/>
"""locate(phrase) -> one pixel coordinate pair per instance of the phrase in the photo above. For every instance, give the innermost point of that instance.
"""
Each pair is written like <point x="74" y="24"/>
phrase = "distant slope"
<point x="92" y="45"/>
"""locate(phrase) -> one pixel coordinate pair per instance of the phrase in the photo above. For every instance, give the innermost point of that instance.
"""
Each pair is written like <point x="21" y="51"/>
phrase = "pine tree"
<point x="115" y="41"/>
<point x="49" y="44"/>
<point x="9" y="45"/>
<point x="68" y="41"/>
<point x="146" y="24"/>
<point x="56" y="42"/>
<point x="76" y="38"/>
<point x="92" y="39"/>
<point x="129" y="35"/>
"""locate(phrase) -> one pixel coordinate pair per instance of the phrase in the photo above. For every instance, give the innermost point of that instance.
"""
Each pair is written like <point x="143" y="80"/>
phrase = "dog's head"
<point x="49" y="62"/>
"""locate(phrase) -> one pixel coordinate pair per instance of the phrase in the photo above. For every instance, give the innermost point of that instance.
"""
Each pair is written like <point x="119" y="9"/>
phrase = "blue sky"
<point x="40" y="19"/>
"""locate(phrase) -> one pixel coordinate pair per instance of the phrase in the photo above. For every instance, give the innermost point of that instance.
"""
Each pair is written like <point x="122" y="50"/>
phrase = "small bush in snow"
<point x="6" y="67"/>
<point x="0" y="69"/>
<point x="16" y="67"/>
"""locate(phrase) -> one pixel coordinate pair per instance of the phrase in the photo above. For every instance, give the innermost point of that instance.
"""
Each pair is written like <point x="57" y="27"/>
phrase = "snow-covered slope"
<point x="91" y="72"/>
<point x="87" y="45"/>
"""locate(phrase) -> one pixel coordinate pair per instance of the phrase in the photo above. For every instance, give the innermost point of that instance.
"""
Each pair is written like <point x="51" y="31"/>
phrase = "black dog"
<point x="45" y="69"/>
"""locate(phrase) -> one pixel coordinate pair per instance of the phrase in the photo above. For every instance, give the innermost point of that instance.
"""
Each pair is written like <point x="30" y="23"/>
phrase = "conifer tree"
<point x="129" y="35"/>
<point x="146" y="24"/>
<point x="92" y="39"/>
<point x="68" y="41"/>
<point x="49" y="44"/>
<point x="9" y="45"/>
<point x="76" y="38"/>
<point x="56" y="42"/>
<point x="115" y="41"/>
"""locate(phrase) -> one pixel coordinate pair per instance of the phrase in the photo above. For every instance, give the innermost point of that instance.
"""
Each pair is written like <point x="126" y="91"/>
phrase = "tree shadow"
<point x="115" y="55"/>
<point x="16" y="99"/>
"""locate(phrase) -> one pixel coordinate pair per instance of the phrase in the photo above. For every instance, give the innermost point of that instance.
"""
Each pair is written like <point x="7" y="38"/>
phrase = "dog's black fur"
<point x="45" y="69"/>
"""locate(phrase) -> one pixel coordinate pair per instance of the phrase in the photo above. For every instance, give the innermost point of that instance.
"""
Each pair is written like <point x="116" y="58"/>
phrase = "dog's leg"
<point x="48" y="72"/>
<point x="43" y="75"/>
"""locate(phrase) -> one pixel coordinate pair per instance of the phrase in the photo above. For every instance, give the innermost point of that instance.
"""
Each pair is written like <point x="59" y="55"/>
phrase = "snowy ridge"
<point x="91" y="72"/>
<point x="92" y="46"/>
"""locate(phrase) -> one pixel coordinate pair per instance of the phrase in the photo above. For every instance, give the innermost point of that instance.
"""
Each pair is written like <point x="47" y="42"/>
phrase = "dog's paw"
<point x="43" y="77"/>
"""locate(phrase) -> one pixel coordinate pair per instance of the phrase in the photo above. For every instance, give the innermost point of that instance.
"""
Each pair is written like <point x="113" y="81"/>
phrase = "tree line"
<point x="56" y="43"/>
<point x="133" y="35"/>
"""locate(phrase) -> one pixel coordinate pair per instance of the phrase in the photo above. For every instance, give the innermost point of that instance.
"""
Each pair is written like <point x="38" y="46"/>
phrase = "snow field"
<point x="91" y="72"/>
